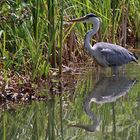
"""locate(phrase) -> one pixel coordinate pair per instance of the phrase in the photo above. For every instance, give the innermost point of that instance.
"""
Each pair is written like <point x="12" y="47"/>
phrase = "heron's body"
<point x="106" y="54"/>
<point x="111" y="55"/>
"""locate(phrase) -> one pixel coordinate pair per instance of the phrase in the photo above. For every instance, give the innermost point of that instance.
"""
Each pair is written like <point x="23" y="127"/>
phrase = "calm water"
<point x="98" y="107"/>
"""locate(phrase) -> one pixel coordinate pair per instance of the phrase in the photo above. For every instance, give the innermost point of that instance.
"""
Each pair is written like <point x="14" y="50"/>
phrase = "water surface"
<point x="99" y="107"/>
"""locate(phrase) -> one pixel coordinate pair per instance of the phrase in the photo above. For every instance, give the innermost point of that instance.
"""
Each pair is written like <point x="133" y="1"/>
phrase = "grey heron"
<point x="105" y="54"/>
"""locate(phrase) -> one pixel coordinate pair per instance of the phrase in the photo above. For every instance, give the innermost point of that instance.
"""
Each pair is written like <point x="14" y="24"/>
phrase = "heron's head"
<point x="88" y="18"/>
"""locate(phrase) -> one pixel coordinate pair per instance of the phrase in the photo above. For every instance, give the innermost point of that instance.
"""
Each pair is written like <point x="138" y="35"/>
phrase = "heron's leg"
<point x="123" y="69"/>
<point x="115" y="71"/>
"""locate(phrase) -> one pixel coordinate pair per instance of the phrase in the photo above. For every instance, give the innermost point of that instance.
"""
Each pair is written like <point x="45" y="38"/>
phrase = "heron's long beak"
<point x="78" y="19"/>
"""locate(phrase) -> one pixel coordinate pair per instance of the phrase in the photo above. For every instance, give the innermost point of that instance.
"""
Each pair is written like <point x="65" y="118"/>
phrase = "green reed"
<point x="4" y="126"/>
<point x="35" y="13"/>
<point x="61" y="36"/>
<point x="35" y="36"/>
<point x="51" y="31"/>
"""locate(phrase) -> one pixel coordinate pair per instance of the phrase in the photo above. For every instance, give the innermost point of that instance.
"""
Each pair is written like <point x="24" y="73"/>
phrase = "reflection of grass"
<point x="50" y="120"/>
<point x="119" y="119"/>
<point x="38" y="120"/>
<point x="25" y="123"/>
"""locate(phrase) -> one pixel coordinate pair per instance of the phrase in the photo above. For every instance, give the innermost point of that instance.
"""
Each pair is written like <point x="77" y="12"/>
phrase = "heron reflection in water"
<point x="105" y="54"/>
<point x="107" y="89"/>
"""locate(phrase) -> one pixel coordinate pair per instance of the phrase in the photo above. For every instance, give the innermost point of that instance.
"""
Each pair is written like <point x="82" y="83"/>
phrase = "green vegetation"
<point x="35" y="42"/>
<point x="33" y="38"/>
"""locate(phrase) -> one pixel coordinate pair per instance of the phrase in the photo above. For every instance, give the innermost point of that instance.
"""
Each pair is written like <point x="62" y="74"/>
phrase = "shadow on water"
<point x="105" y="90"/>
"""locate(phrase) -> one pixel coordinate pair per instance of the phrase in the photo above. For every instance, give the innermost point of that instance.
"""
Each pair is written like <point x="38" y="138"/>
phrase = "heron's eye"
<point x="91" y="15"/>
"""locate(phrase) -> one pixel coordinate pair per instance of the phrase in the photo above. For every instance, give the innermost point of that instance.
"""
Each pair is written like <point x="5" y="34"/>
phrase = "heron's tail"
<point x="135" y="58"/>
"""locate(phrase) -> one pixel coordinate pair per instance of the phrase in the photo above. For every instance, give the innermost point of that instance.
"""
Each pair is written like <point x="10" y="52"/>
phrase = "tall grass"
<point x="51" y="31"/>
<point x="61" y="36"/>
<point x="31" y="32"/>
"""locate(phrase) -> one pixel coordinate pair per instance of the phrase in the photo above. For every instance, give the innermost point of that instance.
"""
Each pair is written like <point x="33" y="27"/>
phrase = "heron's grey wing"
<point x="116" y="56"/>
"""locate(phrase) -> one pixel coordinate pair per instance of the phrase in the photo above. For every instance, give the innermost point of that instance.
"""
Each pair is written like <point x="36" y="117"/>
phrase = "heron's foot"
<point x="115" y="71"/>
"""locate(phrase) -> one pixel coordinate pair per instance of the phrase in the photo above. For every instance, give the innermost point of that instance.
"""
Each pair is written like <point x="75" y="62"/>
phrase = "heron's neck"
<point x="90" y="33"/>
